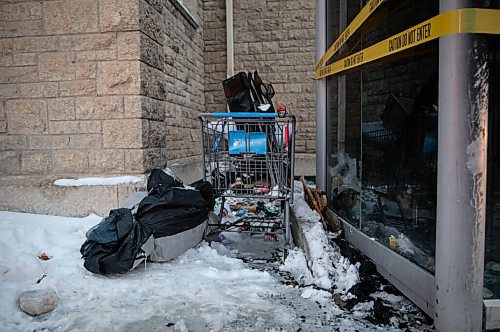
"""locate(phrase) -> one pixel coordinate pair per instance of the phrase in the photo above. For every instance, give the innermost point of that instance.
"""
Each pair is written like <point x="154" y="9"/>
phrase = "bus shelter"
<point x="408" y="146"/>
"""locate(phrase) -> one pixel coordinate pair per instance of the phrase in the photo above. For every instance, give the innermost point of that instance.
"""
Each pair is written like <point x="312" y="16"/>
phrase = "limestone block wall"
<point x="97" y="86"/>
<point x="63" y="92"/>
<point x="186" y="48"/>
<point x="276" y="37"/>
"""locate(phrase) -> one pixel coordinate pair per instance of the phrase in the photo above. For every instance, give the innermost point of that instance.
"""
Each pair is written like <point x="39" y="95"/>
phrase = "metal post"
<point x="229" y="39"/>
<point x="321" y="154"/>
<point x="342" y="107"/>
<point x="461" y="192"/>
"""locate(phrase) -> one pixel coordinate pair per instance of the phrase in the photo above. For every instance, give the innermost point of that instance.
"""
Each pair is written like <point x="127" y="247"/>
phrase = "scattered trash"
<point x="226" y="209"/>
<point x="382" y="312"/>
<point x="44" y="257"/>
<point x="267" y="209"/>
<point x="241" y="212"/>
<point x="268" y="236"/>
<point x="242" y="207"/>
<point x="393" y="242"/>
<point x="261" y="190"/>
<point x="41" y="278"/>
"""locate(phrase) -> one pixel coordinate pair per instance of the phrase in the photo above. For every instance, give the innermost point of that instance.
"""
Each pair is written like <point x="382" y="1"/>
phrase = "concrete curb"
<point x="41" y="196"/>
<point x="300" y="225"/>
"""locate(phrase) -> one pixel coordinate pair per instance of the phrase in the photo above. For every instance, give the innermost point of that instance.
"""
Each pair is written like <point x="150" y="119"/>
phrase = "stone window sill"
<point x="185" y="12"/>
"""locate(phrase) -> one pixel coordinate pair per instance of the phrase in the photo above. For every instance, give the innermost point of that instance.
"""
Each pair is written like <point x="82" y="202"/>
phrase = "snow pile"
<point x="202" y="290"/>
<point x="329" y="269"/>
<point x="296" y="264"/>
<point x="93" y="181"/>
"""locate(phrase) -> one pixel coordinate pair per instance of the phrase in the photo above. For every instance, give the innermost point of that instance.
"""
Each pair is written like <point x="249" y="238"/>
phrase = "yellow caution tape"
<point x="362" y="16"/>
<point x="468" y="20"/>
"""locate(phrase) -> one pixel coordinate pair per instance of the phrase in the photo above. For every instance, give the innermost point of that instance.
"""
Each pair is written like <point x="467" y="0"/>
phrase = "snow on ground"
<point x="196" y="284"/>
<point x="94" y="181"/>
<point x="208" y="288"/>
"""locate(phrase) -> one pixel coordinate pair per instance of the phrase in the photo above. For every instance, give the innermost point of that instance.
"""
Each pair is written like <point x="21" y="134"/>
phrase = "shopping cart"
<point x="250" y="156"/>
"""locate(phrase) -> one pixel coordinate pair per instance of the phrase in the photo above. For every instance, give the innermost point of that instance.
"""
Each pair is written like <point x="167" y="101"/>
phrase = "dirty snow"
<point x="208" y="288"/>
<point x="328" y="267"/>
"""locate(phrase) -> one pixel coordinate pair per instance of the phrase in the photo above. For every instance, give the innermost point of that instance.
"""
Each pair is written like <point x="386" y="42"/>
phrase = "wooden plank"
<point x="332" y="220"/>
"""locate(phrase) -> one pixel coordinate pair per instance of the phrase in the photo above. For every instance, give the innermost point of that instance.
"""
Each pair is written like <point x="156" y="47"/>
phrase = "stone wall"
<point x="66" y="86"/>
<point x="275" y="37"/>
<point x="172" y="79"/>
<point x="97" y="86"/>
<point x="114" y="86"/>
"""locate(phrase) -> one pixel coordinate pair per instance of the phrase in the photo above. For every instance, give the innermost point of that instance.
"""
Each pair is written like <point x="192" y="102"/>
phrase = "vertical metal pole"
<point x="321" y="128"/>
<point x="292" y="146"/>
<point x="203" y="149"/>
<point x="461" y="192"/>
<point x="342" y="108"/>
<point x="229" y="38"/>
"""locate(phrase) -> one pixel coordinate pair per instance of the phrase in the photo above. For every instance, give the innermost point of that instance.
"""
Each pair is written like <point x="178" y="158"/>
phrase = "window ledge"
<point x="185" y="12"/>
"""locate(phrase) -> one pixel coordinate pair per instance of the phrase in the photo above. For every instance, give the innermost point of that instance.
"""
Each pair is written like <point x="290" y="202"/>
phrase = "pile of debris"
<point x="250" y="215"/>
<point x="317" y="200"/>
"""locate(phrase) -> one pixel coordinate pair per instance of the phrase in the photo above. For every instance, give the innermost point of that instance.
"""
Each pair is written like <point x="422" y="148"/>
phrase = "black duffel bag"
<point x="117" y="244"/>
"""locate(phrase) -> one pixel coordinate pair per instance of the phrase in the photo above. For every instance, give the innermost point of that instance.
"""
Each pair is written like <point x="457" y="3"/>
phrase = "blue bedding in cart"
<point x="247" y="142"/>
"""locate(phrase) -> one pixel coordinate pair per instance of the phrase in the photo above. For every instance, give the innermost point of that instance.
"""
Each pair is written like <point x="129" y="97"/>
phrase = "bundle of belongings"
<point x="248" y="93"/>
<point x="167" y="222"/>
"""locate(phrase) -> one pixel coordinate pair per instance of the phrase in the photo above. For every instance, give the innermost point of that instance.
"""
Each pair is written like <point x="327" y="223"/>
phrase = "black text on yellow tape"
<point x="469" y="20"/>
<point x="362" y="16"/>
<point x="419" y="34"/>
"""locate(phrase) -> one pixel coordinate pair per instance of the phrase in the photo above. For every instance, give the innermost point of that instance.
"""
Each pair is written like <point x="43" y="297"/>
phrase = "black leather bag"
<point x="238" y="93"/>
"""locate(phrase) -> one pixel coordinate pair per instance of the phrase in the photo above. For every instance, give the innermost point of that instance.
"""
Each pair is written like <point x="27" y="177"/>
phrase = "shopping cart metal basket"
<point x="250" y="157"/>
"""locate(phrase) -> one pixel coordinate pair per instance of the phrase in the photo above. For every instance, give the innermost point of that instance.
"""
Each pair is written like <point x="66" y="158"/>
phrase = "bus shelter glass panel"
<point x="399" y="155"/>
<point x="346" y="174"/>
<point x="492" y="249"/>
<point x="344" y="105"/>
<point x="399" y="132"/>
<point x="383" y="166"/>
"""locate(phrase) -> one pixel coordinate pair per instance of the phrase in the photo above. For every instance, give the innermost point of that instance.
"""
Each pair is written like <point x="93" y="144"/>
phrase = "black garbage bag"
<point x="175" y="210"/>
<point x="159" y="181"/>
<point x="176" y="215"/>
<point x="207" y="192"/>
<point x="117" y="244"/>
<point x="111" y="229"/>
